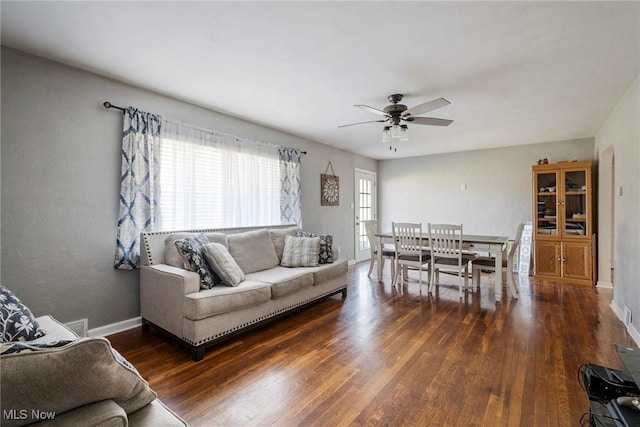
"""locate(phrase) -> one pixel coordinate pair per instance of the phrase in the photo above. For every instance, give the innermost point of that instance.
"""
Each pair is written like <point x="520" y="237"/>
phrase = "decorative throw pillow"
<point x="326" y="246"/>
<point x="22" y="347"/>
<point x="223" y="264"/>
<point x="16" y="320"/>
<point x="192" y="250"/>
<point x="300" y="251"/>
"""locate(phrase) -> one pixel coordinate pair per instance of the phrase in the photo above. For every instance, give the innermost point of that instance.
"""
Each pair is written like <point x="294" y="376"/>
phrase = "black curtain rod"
<point x="107" y="104"/>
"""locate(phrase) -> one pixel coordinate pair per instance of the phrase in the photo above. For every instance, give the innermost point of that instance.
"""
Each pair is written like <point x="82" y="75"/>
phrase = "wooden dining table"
<point x="493" y="245"/>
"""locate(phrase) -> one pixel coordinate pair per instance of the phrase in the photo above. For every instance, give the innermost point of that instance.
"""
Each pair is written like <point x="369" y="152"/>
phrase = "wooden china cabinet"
<point x="563" y="217"/>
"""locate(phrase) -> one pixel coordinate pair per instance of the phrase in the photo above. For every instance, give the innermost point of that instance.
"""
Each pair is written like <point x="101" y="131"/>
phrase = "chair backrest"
<point x="371" y="228"/>
<point x="408" y="238"/>
<point x="516" y="242"/>
<point x="445" y="241"/>
<point x="514" y="248"/>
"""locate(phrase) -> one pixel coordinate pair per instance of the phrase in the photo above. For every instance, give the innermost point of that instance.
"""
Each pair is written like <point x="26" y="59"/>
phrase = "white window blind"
<point x="208" y="180"/>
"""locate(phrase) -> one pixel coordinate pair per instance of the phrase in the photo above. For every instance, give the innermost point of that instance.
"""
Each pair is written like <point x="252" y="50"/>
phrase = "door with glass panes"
<point x="364" y="209"/>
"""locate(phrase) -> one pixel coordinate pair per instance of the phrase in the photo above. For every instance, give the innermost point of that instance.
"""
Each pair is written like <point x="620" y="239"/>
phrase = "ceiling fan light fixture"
<point x="386" y="134"/>
<point x="404" y="133"/>
<point x="395" y="131"/>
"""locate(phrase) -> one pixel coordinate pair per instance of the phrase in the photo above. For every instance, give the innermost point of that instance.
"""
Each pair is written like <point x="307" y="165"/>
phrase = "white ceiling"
<point x="514" y="72"/>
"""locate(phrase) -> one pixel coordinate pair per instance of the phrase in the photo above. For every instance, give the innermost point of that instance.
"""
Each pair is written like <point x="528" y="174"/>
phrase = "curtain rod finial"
<point x="106" y="104"/>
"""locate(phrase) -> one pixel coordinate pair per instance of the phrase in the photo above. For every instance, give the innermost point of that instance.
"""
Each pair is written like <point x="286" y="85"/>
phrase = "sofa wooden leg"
<point x="344" y="293"/>
<point x="197" y="352"/>
<point x="146" y="326"/>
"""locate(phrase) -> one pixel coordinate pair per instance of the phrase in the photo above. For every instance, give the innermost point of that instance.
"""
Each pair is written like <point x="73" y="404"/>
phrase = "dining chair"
<point x="409" y="251"/>
<point x="480" y="264"/>
<point x="447" y="254"/>
<point x="371" y="228"/>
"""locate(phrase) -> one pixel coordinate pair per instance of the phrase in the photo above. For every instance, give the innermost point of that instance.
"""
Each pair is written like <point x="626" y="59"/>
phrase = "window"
<point x="210" y="180"/>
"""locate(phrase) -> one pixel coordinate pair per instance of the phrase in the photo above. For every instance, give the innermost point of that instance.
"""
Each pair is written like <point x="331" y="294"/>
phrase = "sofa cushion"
<point x="218" y="238"/>
<point x="326" y="246"/>
<point x="325" y="272"/>
<point x="224" y="299"/>
<point x="300" y="251"/>
<point x="223" y="264"/>
<point x="253" y="250"/>
<point x="16" y="320"/>
<point x="277" y="236"/>
<point x="58" y="379"/>
<point x="284" y="281"/>
<point x="192" y="251"/>
<point x="171" y="254"/>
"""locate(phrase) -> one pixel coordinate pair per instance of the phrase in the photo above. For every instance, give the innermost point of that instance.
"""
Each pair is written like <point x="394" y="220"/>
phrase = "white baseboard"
<point x="635" y="334"/>
<point x="631" y="329"/>
<point x="617" y="310"/>
<point x="114" y="328"/>
<point x="604" y="285"/>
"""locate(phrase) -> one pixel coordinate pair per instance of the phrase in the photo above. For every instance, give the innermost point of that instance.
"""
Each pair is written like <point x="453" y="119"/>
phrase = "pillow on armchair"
<point x="16" y="320"/>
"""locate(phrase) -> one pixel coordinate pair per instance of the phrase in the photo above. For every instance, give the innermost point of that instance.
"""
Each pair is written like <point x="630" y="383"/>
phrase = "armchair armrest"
<point x="104" y="412"/>
<point x="162" y="291"/>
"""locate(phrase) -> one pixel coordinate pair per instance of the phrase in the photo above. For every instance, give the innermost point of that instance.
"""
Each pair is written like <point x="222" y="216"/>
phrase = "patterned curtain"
<point x="290" y="206"/>
<point x="139" y="191"/>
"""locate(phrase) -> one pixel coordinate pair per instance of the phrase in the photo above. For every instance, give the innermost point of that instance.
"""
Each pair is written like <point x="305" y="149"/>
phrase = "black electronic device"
<point x="604" y="384"/>
<point x="623" y="415"/>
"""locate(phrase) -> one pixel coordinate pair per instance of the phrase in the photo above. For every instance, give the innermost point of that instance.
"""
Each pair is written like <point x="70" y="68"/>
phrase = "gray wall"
<point x="622" y="133"/>
<point x="60" y="184"/>
<point x="498" y="186"/>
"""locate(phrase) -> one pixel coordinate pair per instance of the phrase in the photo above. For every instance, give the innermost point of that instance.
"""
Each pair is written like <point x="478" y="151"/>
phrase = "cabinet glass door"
<point x="546" y="185"/>
<point x="575" y="203"/>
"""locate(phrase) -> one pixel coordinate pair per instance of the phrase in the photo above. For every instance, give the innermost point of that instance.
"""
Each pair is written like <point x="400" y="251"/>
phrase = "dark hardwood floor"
<point x="392" y="357"/>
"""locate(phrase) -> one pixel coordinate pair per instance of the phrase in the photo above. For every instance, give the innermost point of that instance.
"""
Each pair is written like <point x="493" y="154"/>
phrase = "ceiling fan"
<point x="396" y="113"/>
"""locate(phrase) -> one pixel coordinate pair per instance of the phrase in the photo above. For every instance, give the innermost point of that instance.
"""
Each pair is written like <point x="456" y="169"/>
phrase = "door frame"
<point x="365" y="254"/>
<point x="606" y="217"/>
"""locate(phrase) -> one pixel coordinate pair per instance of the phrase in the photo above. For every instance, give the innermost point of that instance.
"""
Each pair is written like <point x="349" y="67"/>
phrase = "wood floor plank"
<point x="391" y="356"/>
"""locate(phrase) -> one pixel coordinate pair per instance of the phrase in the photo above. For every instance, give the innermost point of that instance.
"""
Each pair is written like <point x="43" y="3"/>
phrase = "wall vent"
<point x="80" y="327"/>
<point x="626" y="316"/>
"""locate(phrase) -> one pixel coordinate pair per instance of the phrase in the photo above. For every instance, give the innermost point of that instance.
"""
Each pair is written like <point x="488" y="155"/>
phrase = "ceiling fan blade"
<point x="428" y="121"/>
<point x="372" y="110"/>
<point x="361" y="123"/>
<point x="426" y="107"/>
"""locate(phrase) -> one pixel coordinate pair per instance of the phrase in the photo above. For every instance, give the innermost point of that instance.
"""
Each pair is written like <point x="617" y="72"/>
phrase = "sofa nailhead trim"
<point x="282" y="310"/>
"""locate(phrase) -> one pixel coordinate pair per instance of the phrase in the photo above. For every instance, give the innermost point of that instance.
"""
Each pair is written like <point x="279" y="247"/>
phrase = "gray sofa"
<point x="171" y="297"/>
<point x="62" y="380"/>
